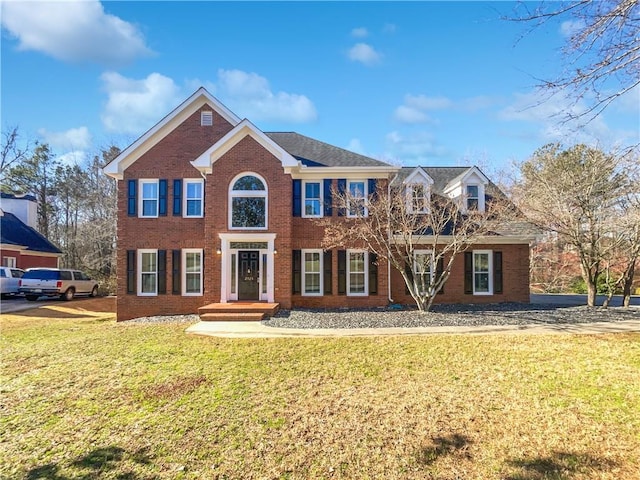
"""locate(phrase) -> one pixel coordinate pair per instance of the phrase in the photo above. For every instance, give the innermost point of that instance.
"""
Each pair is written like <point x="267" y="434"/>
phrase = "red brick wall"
<point x="168" y="159"/>
<point x="24" y="260"/>
<point x="515" y="271"/>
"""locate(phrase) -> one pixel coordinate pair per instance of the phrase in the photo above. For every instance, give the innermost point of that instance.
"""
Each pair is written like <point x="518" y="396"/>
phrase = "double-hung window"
<point x="473" y="197"/>
<point x="418" y="198"/>
<point x="357" y="277"/>
<point x="482" y="274"/>
<point x="312" y="199"/>
<point x="423" y="269"/>
<point x="148" y="272"/>
<point x="357" y="198"/>
<point x="193" y="198"/>
<point x="312" y="272"/>
<point x="149" y="198"/>
<point x="192" y="271"/>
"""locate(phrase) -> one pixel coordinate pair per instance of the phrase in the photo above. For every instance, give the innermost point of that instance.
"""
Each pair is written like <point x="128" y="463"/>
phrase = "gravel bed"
<point x="450" y="315"/>
<point x="193" y="318"/>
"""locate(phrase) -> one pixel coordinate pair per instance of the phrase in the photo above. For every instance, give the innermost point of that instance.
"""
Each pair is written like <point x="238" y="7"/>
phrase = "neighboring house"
<point x="21" y="245"/>
<point x="212" y="209"/>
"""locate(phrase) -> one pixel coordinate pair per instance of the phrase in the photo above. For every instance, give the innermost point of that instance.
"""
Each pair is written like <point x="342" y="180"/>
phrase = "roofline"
<point x="116" y="167"/>
<point x="205" y="161"/>
<point x="353" y="172"/>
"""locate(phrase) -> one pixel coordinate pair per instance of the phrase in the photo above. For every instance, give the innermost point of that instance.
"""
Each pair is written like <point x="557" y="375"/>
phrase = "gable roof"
<point x="201" y="97"/>
<point x="15" y="232"/>
<point x="441" y="176"/>
<point x="314" y="153"/>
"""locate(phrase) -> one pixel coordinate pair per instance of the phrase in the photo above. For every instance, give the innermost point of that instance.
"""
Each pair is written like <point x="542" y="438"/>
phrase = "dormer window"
<point x="473" y="197"/>
<point x="418" y="198"/>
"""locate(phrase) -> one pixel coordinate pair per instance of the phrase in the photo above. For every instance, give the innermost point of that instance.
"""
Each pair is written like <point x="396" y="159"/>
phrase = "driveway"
<point x="572" y="299"/>
<point x="17" y="304"/>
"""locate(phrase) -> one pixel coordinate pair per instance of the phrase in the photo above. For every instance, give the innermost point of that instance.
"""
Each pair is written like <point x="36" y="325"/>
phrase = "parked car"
<point x="56" y="282"/>
<point x="9" y="280"/>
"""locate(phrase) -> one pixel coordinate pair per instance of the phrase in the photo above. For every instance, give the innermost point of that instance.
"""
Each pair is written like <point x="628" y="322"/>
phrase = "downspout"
<point x="389" y="243"/>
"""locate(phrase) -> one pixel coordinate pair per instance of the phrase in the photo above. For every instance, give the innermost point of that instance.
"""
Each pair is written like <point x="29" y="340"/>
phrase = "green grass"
<point x="83" y="397"/>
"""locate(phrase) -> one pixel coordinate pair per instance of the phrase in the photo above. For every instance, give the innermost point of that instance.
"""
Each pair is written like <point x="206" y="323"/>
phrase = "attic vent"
<point x="206" y="119"/>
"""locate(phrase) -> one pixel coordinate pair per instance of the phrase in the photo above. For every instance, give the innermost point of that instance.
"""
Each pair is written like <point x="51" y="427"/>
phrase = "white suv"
<point x="55" y="282"/>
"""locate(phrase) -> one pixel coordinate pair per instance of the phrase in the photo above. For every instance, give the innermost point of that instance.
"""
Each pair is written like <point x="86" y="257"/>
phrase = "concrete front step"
<point x="232" y="317"/>
<point x="267" y="309"/>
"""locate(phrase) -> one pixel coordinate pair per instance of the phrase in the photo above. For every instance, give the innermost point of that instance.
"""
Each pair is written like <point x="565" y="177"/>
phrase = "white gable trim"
<point x="205" y="161"/>
<point x="133" y="152"/>
<point x="458" y="182"/>
<point x="418" y="176"/>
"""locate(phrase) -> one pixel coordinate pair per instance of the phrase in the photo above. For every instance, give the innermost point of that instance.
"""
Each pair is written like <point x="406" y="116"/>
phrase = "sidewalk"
<point x="258" y="330"/>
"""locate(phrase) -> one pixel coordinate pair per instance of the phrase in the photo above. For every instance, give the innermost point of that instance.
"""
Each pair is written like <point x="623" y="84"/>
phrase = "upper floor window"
<point x="357" y="198"/>
<point x="149" y="198"/>
<point x="418" y="198"/>
<point x="206" y="118"/>
<point x="312" y="199"/>
<point x="193" y="198"/>
<point x="248" y="202"/>
<point x="473" y="197"/>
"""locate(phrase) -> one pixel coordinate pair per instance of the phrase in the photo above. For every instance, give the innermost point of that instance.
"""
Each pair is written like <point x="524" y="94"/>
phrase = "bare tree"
<point x="575" y="193"/>
<point x="393" y="227"/>
<point x="11" y="152"/>
<point x="602" y="52"/>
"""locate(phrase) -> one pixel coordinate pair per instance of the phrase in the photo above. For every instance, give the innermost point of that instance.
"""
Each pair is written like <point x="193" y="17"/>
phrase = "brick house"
<point x="21" y="245"/>
<point x="213" y="210"/>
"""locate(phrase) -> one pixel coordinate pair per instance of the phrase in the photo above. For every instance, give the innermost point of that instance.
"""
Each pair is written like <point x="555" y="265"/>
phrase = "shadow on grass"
<point x="559" y="466"/>
<point x="454" y="444"/>
<point x="95" y="464"/>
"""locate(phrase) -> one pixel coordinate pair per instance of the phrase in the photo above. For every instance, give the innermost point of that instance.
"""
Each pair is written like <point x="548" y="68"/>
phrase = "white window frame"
<point x="185" y="252"/>
<point x="248" y="193"/>
<point x="141" y="183"/>
<point x="185" y="199"/>
<point x="320" y="198"/>
<point x="426" y="200"/>
<point x="431" y="266"/>
<point x="320" y="272"/>
<point x="366" y="273"/>
<point x="206" y="118"/>
<point x="140" y="272"/>
<point x="489" y="254"/>
<point x="479" y="198"/>
<point x="10" y="262"/>
<point x="365" y="195"/>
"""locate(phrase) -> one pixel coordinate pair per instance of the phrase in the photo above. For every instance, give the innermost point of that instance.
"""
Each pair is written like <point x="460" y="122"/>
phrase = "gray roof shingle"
<point x="314" y="153"/>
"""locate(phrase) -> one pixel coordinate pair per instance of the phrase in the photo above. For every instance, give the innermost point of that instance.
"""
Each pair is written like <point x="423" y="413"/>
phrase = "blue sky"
<point x="416" y="83"/>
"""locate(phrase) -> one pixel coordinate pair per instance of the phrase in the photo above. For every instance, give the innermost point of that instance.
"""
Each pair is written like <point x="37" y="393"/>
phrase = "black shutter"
<point x="468" y="272"/>
<point x="131" y="271"/>
<point x="408" y="269"/>
<point x="342" y="272"/>
<point x="373" y="188"/>
<point x="342" y="188"/>
<point x="162" y="271"/>
<point x="297" y="272"/>
<point x="297" y="198"/>
<point x="373" y="274"/>
<point x="328" y="200"/>
<point x="162" y="198"/>
<point x="177" y="197"/>
<point x="328" y="277"/>
<point x="176" y="274"/>
<point x="497" y="272"/>
<point x="132" y="199"/>
<point x="439" y="271"/>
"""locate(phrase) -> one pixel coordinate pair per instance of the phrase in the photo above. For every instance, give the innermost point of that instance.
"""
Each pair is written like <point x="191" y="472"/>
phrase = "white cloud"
<point x="417" y="147"/>
<point x="77" y="31"/>
<point x="74" y="138"/>
<point x="360" y="32"/>
<point x="355" y="145"/>
<point x="569" y="28"/>
<point x="406" y="114"/>
<point x="422" y="102"/>
<point x="75" y="157"/>
<point x="249" y="95"/>
<point x="365" y="54"/>
<point x="134" y="106"/>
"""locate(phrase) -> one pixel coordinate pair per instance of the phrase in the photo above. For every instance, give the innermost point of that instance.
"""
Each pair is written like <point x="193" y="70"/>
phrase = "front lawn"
<point x="83" y="397"/>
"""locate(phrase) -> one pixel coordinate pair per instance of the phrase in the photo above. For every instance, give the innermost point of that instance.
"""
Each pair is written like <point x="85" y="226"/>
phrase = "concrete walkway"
<point x="258" y="330"/>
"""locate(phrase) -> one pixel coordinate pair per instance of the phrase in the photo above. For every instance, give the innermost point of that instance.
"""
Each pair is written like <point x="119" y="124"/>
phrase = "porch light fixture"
<point x="275" y="251"/>
<point x="219" y="251"/>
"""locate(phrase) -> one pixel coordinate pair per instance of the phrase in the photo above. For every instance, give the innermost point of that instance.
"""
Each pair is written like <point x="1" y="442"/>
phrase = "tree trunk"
<point x="591" y="293"/>
<point x="628" y="283"/>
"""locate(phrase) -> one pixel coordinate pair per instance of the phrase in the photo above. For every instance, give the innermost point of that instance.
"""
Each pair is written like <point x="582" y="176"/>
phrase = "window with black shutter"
<point x="468" y="273"/>
<point x="162" y="271"/>
<point x="296" y="277"/>
<point x="342" y="272"/>
<point x="328" y="274"/>
<point x="373" y="274"/>
<point x="497" y="272"/>
<point x="132" y="199"/>
<point x="176" y="274"/>
<point x="131" y="271"/>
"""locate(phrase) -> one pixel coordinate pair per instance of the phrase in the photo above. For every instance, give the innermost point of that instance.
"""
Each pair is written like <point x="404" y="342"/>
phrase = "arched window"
<point x="248" y="202"/>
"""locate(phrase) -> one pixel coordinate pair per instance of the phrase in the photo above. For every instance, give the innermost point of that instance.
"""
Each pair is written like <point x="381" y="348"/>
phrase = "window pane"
<point x="356" y="262"/>
<point x="312" y="262"/>
<point x="193" y="262"/>
<point x="194" y="208"/>
<point x="233" y="273"/>
<point x="312" y="190"/>
<point x="148" y="283"/>
<point x="149" y="208"/>
<point x="150" y="190"/>
<point x="356" y="282"/>
<point x="248" y="212"/>
<point x="312" y="207"/>
<point x="248" y="182"/>
<point x="472" y="191"/>
<point x="312" y="283"/>
<point x="423" y="262"/>
<point x="481" y="262"/>
<point x="482" y="282"/>
<point x="148" y="262"/>
<point x="194" y="190"/>
<point x="193" y="283"/>
<point x="356" y="189"/>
